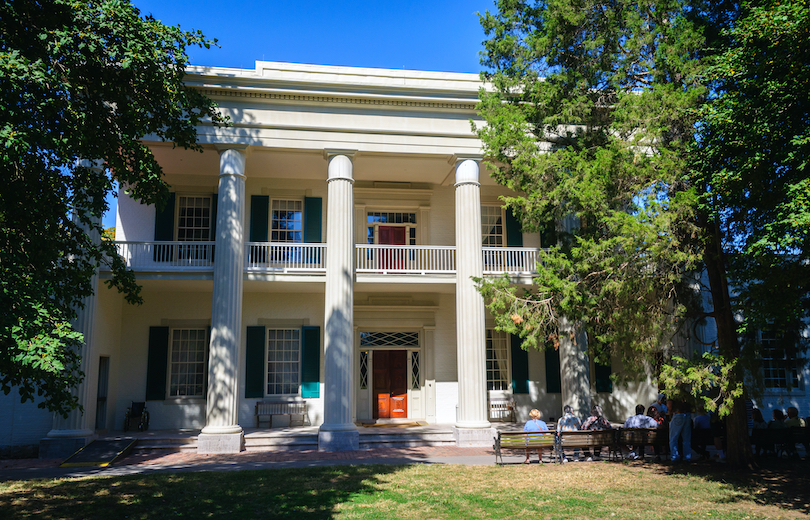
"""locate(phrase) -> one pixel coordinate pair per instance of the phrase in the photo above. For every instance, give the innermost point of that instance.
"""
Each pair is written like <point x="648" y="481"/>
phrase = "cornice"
<point x="370" y="100"/>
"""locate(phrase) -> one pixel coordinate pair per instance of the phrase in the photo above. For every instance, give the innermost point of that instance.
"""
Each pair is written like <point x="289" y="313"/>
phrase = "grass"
<point x="596" y="490"/>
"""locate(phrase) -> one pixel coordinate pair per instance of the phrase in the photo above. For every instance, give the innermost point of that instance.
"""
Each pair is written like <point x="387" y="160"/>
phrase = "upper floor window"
<point x="492" y="228"/>
<point x="194" y="218"/>
<point x="287" y="221"/>
<point x="780" y="368"/>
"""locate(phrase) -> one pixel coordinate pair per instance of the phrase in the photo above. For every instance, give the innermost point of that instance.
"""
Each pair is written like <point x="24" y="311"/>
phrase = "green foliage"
<point x="710" y="378"/>
<point x="751" y="160"/>
<point x="591" y="108"/>
<point x="78" y="80"/>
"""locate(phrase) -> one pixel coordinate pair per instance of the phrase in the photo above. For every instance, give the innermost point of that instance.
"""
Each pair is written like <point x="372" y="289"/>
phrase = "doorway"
<point x="390" y="384"/>
<point x="391" y="236"/>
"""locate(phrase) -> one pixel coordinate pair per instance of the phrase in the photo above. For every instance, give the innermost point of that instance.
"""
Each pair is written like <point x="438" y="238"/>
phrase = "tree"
<point x="750" y="163"/>
<point x="594" y="109"/>
<point x="78" y="81"/>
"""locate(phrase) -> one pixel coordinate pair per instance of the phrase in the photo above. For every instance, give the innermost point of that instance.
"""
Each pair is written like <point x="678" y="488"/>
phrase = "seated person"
<point x="758" y="424"/>
<point x="794" y="421"/>
<point x="535" y="425"/>
<point x="639" y="421"/>
<point x="702" y="426"/>
<point x="596" y="421"/>
<point x="569" y="423"/>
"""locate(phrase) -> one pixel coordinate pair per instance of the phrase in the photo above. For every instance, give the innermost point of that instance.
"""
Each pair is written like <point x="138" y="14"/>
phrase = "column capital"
<point x="467" y="170"/>
<point x="328" y="153"/>
<point x="239" y="147"/>
<point x="340" y="167"/>
<point x="461" y="157"/>
<point x="232" y="160"/>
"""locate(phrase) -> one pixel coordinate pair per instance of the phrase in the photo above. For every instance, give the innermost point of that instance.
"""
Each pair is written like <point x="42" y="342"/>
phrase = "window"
<point x="283" y="361"/>
<point x="286" y="221"/>
<point x="497" y="361"/>
<point x="194" y="219"/>
<point x="492" y="226"/>
<point x="779" y="366"/>
<point x="187" y="363"/>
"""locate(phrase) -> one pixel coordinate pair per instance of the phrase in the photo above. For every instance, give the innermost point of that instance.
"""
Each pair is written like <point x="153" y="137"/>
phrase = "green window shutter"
<point x="520" y="366"/>
<point x="602" y="376"/>
<point x="514" y="233"/>
<point x="156" y="364"/>
<point x="164" y="221"/>
<point x="310" y="362"/>
<point x="259" y="215"/>
<point x="254" y="362"/>
<point x="313" y="207"/>
<point x="553" y="381"/>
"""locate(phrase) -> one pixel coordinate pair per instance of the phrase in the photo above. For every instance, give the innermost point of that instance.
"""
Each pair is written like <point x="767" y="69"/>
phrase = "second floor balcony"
<point x="301" y="258"/>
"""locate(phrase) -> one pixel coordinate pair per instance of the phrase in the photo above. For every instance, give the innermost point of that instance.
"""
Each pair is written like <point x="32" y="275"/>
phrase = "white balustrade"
<point x="285" y="257"/>
<point x="385" y="259"/>
<point x="167" y="256"/>
<point x="300" y="257"/>
<point x="511" y="260"/>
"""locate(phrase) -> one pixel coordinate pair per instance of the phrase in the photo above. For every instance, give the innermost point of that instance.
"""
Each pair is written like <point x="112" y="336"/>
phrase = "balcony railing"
<point x="511" y="260"/>
<point x="273" y="257"/>
<point x="167" y="256"/>
<point x="285" y="257"/>
<point x="405" y="259"/>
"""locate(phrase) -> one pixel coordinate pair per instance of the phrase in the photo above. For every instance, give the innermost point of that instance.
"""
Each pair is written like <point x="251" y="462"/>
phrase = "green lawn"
<point x="595" y="490"/>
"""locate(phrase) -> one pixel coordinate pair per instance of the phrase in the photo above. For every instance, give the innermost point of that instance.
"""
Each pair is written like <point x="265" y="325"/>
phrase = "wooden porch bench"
<point x="265" y="410"/>
<point x="501" y="409"/>
<point x="522" y="441"/>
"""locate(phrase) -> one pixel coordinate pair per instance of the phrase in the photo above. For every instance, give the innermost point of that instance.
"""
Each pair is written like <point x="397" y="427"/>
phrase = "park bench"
<point x="522" y="441"/>
<point x="641" y="437"/>
<point x="587" y="440"/>
<point x="781" y="440"/>
<point x="265" y="410"/>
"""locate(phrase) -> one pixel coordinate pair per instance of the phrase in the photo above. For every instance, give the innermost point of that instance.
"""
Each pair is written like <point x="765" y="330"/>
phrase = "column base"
<point x="212" y="443"/>
<point x="62" y="447"/>
<point x="473" y="437"/>
<point x="340" y="440"/>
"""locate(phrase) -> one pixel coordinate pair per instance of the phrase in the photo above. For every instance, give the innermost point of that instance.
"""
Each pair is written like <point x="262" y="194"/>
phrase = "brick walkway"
<point x="192" y="458"/>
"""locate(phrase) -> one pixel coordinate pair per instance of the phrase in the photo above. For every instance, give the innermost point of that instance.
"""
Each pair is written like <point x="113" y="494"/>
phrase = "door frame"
<point x="364" y="408"/>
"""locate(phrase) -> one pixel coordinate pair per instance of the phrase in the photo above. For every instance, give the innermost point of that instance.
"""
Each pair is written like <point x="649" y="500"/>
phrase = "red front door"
<point x="391" y="384"/>
<point x="391" y="236"/>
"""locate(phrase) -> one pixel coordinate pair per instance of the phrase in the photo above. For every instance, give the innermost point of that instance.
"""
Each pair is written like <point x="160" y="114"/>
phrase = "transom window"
<point x="187" y="363"/>
<point x="779" y="366"/>
<point x="389" y="339"/>
<point x="283" y="361"/>
<point x="286" y="221"/>
<point x="492" y="226"/>
<point x="497" y="361"/>
<point x="194" y="218"/>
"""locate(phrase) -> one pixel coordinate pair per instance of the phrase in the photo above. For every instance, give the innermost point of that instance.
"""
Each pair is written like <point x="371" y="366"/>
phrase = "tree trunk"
<point x="738" y="444"/>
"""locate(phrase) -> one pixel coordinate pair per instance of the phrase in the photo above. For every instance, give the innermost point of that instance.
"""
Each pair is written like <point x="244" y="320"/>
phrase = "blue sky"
<point x="439" y="35"/>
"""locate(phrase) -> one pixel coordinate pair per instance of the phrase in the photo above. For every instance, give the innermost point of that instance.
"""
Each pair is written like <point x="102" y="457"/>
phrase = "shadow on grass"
<point x="275" y="493"/>
<point x="780" y="482"/>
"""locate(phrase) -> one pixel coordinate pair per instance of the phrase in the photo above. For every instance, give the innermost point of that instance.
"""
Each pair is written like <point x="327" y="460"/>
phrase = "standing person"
<point x="680" y="428"/>
<point x="534" y="424"/>
<point x="639" y="421"/>
<point x="662" y="423"/>
<point x="596" y="421"/>
<point x="702" y="422"/>
<point x="659" y="404"/>
<point x="569" y="423"/>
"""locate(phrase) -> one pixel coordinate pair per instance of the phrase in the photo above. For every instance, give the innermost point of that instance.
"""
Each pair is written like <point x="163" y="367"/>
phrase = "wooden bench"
<point x="586" y="440"/>
<point x="642" y="437"/>
<point x="781" y="440"/>
<point x="265" y="410"/>
<point x="501" y="409"/>
<point x="522" y="441"/>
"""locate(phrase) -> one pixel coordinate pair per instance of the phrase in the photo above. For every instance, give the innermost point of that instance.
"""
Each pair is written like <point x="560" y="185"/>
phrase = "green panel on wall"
<point x="310" y="362"/>
<point x="156" y="364"/>
<point x="313" y="210"/>
<point x="553" y="381"/>
<point x="164" y="221"/>
<point x="259" y="214"/>
<point x="254" y="362"/>
<point x="520" y="366"/>
<point x="514" y="231"/>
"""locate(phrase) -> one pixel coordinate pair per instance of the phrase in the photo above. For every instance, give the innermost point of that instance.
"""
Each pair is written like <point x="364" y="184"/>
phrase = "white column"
<point x="222" y="433"/>
<point x="338" y="431"/>
<point x="575" y="369"/>
<point x="472" y="427"/>
<point x="71" y="433"/>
